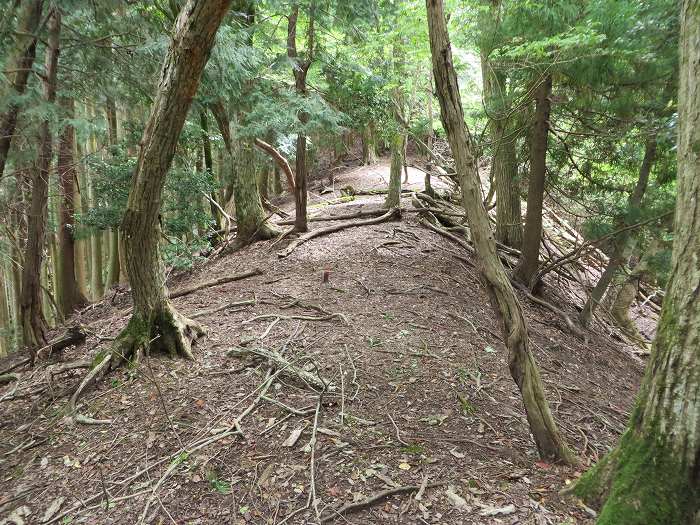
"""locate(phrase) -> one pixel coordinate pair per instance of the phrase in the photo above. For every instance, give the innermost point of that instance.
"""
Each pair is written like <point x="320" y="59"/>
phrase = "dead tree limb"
<point x="376" y="498"/>
<point x="391" y="214"/>
<point x="346" y="216"/>
<point x="215" y="282"/>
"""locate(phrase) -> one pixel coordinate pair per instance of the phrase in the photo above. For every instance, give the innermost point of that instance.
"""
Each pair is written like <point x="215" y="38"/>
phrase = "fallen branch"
<point x="215" y="282"/>
<point x="376" y="498"/>
<point x="299" y="317"/>
<point x="569" y="323"/>
<point x="283" y="364"/>
<point x="226" y="306"/>
<point x="356" y="215"/>
<point x="391" y="214"/>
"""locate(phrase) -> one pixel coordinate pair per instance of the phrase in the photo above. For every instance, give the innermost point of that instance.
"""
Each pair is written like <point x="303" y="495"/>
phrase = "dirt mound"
<point x="417" y="392"/>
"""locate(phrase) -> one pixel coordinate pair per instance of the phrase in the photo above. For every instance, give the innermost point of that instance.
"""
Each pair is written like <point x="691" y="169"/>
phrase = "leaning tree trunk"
<point x="526" y="270"/>
<point x="19" y="67"/>
<point x="653" y="476"/>
<point x="621" y="247"/>
<point x="155" y="322"/>
<point x="521" y="361"/>
<point x="31" y="308"/>
<point x="70" y="296"/>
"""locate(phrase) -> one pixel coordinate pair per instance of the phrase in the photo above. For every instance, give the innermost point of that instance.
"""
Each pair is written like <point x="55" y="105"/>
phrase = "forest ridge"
<point x="261" y="190"/>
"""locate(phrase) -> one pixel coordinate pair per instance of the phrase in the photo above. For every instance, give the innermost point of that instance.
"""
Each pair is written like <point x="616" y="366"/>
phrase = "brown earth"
<point x="421" y="392"/>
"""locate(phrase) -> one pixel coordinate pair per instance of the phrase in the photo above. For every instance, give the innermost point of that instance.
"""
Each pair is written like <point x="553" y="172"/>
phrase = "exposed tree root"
<point x="8" y="378"/>
<point x="389" y="215"/>
<point x="73" y="414"/>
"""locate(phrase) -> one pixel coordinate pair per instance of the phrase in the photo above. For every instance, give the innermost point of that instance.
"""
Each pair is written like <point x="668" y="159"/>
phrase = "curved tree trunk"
<point x="653" y="476"/>
<point x="621" y="248"/>
<point x="505" y="303"/>
<point x="155" y="322"/>
<point x="526" y="270"/>
<point x="31" y="309"/>
<point x="20" y="65"/>
<point x="70" y="296"/>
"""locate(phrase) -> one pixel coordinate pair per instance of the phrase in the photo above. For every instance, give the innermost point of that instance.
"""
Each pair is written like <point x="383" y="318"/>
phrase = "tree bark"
<point x="113" y="262"/>
<point x="20" y="64"/>
<point x="155" y="322"/>
<point x="300" y="70"/>
<point x="251" y="221"/>
<point x="393" y="197"/>
<point x="70" y="296"/>
<point x="653" y="476"/>
<point x="526" y="269"/>
<point x="506" y="306"/>
<point x="621" y="246"/>
<point x="31" y="308"/>
<point x="208" y="165"/>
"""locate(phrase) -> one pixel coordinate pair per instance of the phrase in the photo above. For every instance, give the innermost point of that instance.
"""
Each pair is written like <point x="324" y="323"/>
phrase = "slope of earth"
<point x="418" y="394"/>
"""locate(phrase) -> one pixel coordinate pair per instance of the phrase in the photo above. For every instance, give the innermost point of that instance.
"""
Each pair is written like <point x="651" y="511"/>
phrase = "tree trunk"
<point x="113" y="262"/>
<point x="621" y="247"/>
<point x="4" y="315"/>
<point x="393" y="197"/>
<point x="31" y="309"/>
<point x="70" y="296"/>
<point x="20" y="63"/>
<point x="208" y="166"/>
<point x="507" y="308"/>
<point x="369" y="148"/>
<point x="653" y="476"/>
<point x="300" y="69"/>
<point x="526" y="270"/>
<point x="155" y="322"/>
<point x="250" y="216"/>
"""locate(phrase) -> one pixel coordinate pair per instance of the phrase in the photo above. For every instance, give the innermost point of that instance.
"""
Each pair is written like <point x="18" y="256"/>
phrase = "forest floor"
<point x="421" y="395"/>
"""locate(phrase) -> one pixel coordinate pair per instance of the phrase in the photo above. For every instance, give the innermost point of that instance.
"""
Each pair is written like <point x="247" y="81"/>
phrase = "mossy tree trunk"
<point x="621" y="247"/>
<point x="505" y="303"/>
<point x="526" y="270"/>
<point x="19" y="66"/>
<point x="70" y="296"/>
<point x="155" y="322"/>
<point x="31" y="307"/>
<point x="653" y="476"/>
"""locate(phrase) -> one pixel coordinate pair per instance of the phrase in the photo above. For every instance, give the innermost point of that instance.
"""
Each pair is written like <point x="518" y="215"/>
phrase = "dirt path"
<point x="421" y="391"/>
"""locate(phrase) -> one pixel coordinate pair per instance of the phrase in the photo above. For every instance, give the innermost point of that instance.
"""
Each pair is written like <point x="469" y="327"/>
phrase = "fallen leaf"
<point x="456" y="454"/>
<point x="404" y="466"/>
<point x="335" y="491"/>
<point x="543" y="465"/>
